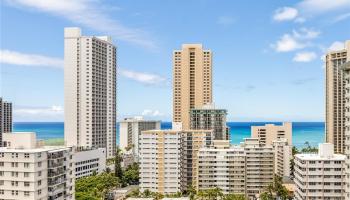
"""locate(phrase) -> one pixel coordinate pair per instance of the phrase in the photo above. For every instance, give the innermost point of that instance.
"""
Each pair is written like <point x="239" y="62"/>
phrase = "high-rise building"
<point x="270" y="132"/>
<point x="283" y="156"/>
<point x="320" y="176"/>
<point x="89" y="91"/>
<point x="130" y="131"/>
<point x="245" y="169"/>
<point x="192" y="82"/>
<point x="34" y="172"/>
<point x="208" y="117"/>
<point x="346" y="71"/>
<point x="335" y="97"/>
<point x="5" y="118"/>
<point x="168" y="159"/>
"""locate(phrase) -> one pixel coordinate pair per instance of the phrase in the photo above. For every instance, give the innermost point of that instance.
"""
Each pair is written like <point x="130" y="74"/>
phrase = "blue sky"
<point x="267" y="54"/>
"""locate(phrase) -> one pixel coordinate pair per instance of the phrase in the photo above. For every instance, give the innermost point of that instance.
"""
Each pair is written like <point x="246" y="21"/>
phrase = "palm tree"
<point x="118" y="172"/>
<point x="191" y="191"/>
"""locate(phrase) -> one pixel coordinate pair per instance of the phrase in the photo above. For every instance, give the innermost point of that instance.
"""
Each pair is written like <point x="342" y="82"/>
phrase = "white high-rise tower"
<point x="89" y="91"/>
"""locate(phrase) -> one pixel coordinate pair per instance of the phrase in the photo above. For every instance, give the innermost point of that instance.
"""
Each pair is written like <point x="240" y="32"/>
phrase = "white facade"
<point x="89" y="91"/>
<point x="283" y="156"/>
<point x="31" y="172"/>
<point x="245" y="169"/>
<point x="130" y="130"/>
<point x="320" y="176"/>
<point x="160" y="161"/>
<point x="88" y="162"/>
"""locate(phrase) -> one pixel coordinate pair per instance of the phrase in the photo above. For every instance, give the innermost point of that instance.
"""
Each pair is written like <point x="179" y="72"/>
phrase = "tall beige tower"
<point x="335" y="98"/>
<point x="89" y="91"/>
<point x="192" y="82"/>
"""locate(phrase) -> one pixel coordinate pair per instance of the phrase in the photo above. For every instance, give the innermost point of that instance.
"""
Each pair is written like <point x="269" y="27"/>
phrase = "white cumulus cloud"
<point x="53" y="113"/>
<point x="88" y="13"/>
<point x="305" y="56"/>
<point x="24" y="59"/>
<point x="322" y="6"/>
<point x="336" y="46"/>
<point x="152" y="113"/>
<point x="142" y="77"/>
<point x="285" y="14"/>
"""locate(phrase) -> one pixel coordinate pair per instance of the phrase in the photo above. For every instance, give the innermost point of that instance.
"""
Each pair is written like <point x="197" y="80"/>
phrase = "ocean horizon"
<point x="311" y="132"/>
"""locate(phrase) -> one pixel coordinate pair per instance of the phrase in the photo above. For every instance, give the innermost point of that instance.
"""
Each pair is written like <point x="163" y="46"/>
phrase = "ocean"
<point x="312" y="132"/>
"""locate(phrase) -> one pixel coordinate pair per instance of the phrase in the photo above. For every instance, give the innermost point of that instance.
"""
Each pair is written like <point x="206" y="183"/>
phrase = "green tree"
<point x="234" y="197"/>
<point x="118" y="171"/>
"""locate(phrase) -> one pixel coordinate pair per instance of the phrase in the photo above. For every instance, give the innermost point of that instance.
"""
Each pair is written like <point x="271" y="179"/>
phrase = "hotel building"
<point x="335" y="97"/>
<point x="5" y="118"/>
<point x="283" y="156"/>
<point x="130" y="131"/>
<point x="346" y="71"/>
<point x="245" y="169"/>
<point x="168" y="159"/>
<point x="192" y="82"/>
<point x="89" y="91"/>
<point x="29" y="171"/>
<point x="270" y="132"/>
<point x="208" y="117"/>
<point x="320" y="176"/>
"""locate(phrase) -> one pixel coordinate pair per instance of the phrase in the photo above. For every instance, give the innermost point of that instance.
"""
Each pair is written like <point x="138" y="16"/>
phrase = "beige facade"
<point x="245" y="169"/>
<point x="89" y="91"/>
<point x="168" y="159"/>
<point x="320" y="176"/>
<point x="32" y="172"/>
<point x="5" y="118"/>
<point x="283" y="156"/>
<point x="335" y="97"/>
<point x="270" y="132"/>
<point x="346" y="71"/>
<point x="192" y="82"/>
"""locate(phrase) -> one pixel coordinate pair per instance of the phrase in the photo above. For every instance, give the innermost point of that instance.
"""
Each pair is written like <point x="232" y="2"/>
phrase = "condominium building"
<point x="89" y="162"/>
<point x="192" y="82"/>
<point x="168" y="158"/>
<point x="346" y="71"/>
<point x="29" y="171"/>
<point x="89" y="91"/>
<point x="191" y="142"/>
<point x="283" y="156"/>
<point x="130" y="131"/>
<point x="208" y="117"/>
<point x="335" y="97"/>
<point x="271" y="132"/>
<point x="320" y="176"/>
<point x="160" y="161"/>
<point x="245" y="169"/>
<point x="5" y="118"/>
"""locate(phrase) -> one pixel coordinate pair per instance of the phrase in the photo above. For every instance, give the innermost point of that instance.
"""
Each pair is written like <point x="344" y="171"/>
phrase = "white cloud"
<point x="285" y="14"/>
<point x="321" y="6"/>
<point x="18" y="58"/>
<point x="305" y="33"/>
<point x="152" y="113"/>
<point x="88" y="13"/>
<point x="225" y="20"/>
<point x="341" y="17"/>
<point x="298" y="39"/>
<point x="287" y="43"/>
<point x="145" y="78"/>
<point x="53" y="113"/>
<point x="336" y="46"/>
<point x="304" y="56"/>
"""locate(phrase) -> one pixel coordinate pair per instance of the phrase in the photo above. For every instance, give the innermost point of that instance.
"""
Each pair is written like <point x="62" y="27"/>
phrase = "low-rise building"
<point x="32" y="172"/>
<point x="320" y="176"/>
<point x="89" y="161"/>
